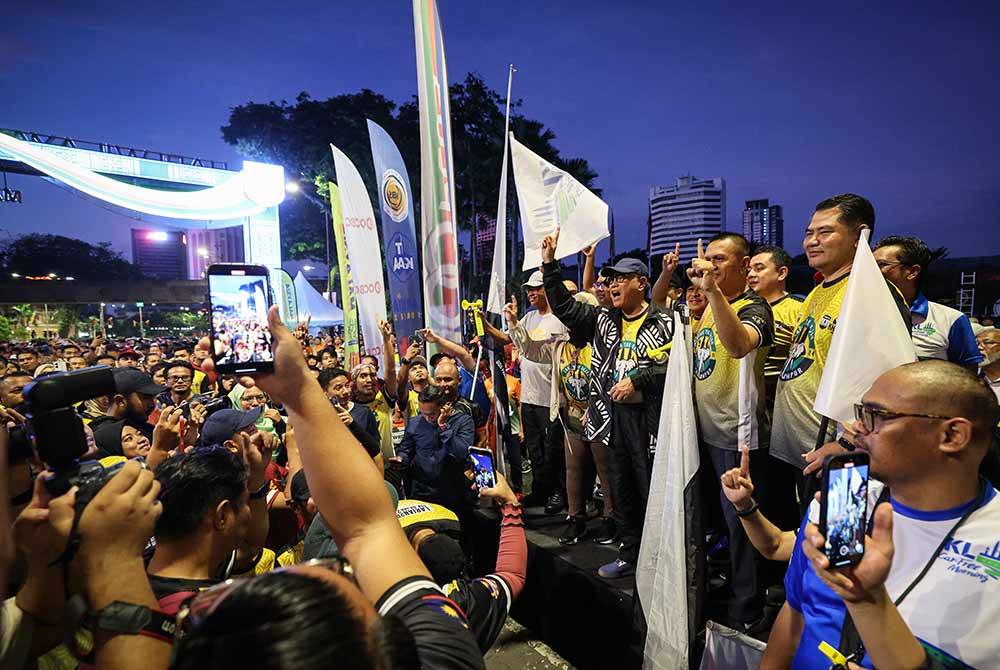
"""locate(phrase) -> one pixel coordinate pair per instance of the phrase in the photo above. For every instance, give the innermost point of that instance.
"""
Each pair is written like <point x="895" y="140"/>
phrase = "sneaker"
<point x="575" y="531"/>
<point x="556" y="503"/>
<point x="608" y="534"/>
<point x="526" y="466"/>
<point x="616" y="569"/>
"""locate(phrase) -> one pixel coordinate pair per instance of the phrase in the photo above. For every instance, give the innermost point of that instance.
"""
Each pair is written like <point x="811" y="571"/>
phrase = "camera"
<point x="58" y="430"/>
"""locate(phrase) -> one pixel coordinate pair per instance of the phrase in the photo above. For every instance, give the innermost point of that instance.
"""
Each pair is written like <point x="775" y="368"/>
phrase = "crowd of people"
<point x="320" y="515"/>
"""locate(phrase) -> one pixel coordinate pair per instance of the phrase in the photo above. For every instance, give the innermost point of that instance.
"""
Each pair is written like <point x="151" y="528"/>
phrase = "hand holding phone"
<point x="844" y="508"/>
<point x="239" y="299"/>
<point x="483" y="472"/>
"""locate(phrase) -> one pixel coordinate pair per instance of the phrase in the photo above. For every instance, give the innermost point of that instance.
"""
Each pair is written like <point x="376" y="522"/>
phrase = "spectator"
<point x="629" y="343"/>
<point x="730" y="348"/>
<point x="106" y="359"/>
<point x="152" y="360"/>
<point x="361" y="421"/>
<point x="989" y="345"/>
<point x="938" y="331"/>
<point x="769" y="269"/>
<point x="179" y="375"/>
<point x="12" y="390"/>
<point x="543" y="434"/>
<point x="129" y="358"/>
<point x="414" y="378"/>
<point x="77" y="362"/>
<point x="28" y="360"/>
<point x="435" y="450"/>
<point x="926" y="426"/>
<point x="379" y="397"/>
<point x="328" y="359"/>
<point x="696" y="302"/>
<point x="133" y="401"/>
<point x="595" y="282"/>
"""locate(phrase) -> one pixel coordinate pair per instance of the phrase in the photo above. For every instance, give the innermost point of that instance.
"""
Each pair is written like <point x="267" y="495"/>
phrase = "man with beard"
<point x="133" y="401"/>
<point x="179" y="375"/>
<point x="989" y="345"/>
<point x="379" y="400"/>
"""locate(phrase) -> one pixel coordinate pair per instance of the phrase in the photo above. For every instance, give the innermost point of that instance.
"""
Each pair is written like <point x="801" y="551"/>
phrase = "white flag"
<point x="361" y="235"/>
<point x="663" y="574"/>
<point x="550" y="198"/>
<point x="869" y="339"/>
<point x="498" y="274"/>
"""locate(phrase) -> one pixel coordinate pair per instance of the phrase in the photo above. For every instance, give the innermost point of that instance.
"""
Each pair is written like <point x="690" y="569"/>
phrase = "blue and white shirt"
<point x="943" y="332"/>
<point x="953" y="611"/>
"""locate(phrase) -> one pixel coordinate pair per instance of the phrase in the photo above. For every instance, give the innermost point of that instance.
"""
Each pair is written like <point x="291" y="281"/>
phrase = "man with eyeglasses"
<point x="938" y="331"/>
<point x="179" y="376"/>
<point x="628" y="363"/>
<point x="989" y="344"/>
<point x="926" y="594"/>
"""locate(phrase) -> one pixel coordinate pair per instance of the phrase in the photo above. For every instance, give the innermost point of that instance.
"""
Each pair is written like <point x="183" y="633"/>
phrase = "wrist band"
<point x="744" y="514"/>
<point x="260" y="493"/>
<point x="845" y="443"/>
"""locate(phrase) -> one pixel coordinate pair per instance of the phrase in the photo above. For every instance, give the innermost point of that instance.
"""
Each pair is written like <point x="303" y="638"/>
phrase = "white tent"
<point x="312" y="302"/>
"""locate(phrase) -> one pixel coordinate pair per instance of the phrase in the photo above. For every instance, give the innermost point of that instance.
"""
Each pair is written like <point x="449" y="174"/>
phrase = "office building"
<point x="160" y="254"/>
<point x="690" y="209"/>
<point x="763" y="223"/>
<point x="217" y="245"/>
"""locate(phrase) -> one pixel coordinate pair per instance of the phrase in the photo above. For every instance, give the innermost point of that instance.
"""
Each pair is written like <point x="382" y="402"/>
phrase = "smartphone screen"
<point x="483" y="473"/>
<point x="239" y="297"/>
<point x="844" y="510"/>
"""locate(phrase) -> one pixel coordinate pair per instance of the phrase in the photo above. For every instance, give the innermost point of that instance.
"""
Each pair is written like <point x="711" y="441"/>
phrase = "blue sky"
<point x="791" y="102"/>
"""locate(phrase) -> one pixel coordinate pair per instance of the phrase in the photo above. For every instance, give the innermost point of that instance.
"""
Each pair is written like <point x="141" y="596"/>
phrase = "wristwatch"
<point x="261" y="493"/>
<point x="845" y="443"/>
<point x="129" y="619"/>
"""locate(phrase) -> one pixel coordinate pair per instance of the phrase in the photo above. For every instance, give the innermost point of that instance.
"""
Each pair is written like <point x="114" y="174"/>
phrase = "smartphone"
<point x="844" y="508"/>
<point x="418" y="338"/>
<point x="483" y="473"/>
<point x="239" y="297"/>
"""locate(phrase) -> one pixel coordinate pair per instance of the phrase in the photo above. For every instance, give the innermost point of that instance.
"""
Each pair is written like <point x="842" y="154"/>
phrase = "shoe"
<point x="556" y="503"/>
<point x="575" y="531"/>
<point x="526" y="466"/>
<point x="616" y="569"/>
<point x="608" y="533"/>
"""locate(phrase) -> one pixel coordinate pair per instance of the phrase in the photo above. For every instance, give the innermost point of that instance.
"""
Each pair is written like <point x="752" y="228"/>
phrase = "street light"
<point x="203" y="252"/>
<point x="70" y="278"/>
<point x="53" y="275"/>
<point x="291" y="187"/>
<point x="307" y="268"/>
<point x="15" y="275"/>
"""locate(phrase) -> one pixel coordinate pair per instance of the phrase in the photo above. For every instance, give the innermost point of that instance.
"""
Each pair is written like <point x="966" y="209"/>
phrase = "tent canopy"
<point x="310" y="301"/>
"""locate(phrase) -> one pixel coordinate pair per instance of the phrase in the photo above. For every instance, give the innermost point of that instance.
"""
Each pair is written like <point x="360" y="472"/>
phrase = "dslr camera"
<point x="58" y="430"/>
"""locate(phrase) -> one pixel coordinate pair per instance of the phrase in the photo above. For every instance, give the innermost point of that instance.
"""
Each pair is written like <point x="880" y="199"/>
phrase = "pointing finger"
<point x="701" y="251"/>
<point x="744" y="460"/>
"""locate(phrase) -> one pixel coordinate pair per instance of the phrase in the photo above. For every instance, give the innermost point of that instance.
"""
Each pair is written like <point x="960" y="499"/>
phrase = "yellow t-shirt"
<point x="729" y="392"/>
<point x="574" y="373"/>
<point x="627" y="357"/>
<point x="796" y="423"/>
<point x="292" y="555"/>
<point x="383" y="415"/>
<point x="786" y="316"/>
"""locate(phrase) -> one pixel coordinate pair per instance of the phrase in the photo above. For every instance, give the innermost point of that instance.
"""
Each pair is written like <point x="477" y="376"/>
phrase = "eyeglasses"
<point x="201" y="606"/>
<point x="621" y="279"/>
<point x="255" y="398"/>
<point x="179" y="378"/>
<point x="887" y="264"/>
<point x="865" y="415"/>
<point x="600" y="284"/>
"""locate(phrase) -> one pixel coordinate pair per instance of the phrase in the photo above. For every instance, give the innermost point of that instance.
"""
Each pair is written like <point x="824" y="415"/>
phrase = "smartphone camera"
<point x="239" y="298"/>
<point x="844" y="508"/>
<point x="483" y="472"/>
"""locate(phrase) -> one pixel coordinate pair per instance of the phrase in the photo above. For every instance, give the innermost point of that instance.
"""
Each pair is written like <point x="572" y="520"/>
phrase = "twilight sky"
<point x="792" y="103"/>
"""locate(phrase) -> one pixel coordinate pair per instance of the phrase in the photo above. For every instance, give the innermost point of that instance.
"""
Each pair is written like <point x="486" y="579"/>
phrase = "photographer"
<point x="361" y="421"/>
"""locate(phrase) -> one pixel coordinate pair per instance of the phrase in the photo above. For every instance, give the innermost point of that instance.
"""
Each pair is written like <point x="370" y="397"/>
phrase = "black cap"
<point x="225" y="423"/>
<point x="300" y="488"/>
<point x="443" y="557"/>
<point x="133" y="380"/>
<point x="438" y="357"/>
<point x="628" y="266"/>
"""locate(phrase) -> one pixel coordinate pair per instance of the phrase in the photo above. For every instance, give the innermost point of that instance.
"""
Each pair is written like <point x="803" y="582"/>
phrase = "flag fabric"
<point x="498" y="274"/>
<point x="439" y="239"/>
<point x="361" y="236"/>
<point x="288" y="304"/>
<point x="551" y="198"/>
<point x="348" y="300"/>
<point x="670" y="571"/>
<point x="868" y="339"/>
<point x="726" y="649"/>
<point x="398" y="236"/>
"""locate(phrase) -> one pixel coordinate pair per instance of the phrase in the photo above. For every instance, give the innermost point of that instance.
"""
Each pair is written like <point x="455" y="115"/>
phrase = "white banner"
<point x="869" y="339"/>
<point x="551" y="198"/>
<point x="498" y="274"/>
<point x="361" y="236"/>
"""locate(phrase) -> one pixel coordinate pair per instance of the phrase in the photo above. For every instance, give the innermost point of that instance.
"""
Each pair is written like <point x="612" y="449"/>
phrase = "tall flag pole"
<point x="437" y="183"/>
<point x="348" y="299"/>
<point x="497" y="297"/>
<point x="398" y="236"/>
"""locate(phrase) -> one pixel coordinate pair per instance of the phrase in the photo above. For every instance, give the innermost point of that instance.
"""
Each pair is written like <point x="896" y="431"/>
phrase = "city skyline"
<point x="893" y="109"/>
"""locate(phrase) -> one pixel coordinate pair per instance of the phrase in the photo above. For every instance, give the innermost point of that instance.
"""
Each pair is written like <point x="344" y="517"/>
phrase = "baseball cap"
<point x="418" y="360"/>
<point x="438" y="357"/>
<point x="300" y="488"/>
<point x="535" y="280"/>
<point x="222" y="425"/>
<point x="628" y="266"/>
<point x="129" y="353"/>
<point x="443" y="557"/>
<point x="133" y="380"/>
<point x="978" y="328"/>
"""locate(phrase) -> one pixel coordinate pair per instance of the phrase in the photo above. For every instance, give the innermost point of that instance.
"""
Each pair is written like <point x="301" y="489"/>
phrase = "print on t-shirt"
<point x="628" y="357"/>
<point x="704" y="354"/>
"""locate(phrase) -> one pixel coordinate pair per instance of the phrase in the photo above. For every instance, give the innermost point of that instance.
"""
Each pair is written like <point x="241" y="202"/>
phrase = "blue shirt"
<point x="942" y="332"/>
<point x="482" y="398"/>
<point x="435" y="455"/>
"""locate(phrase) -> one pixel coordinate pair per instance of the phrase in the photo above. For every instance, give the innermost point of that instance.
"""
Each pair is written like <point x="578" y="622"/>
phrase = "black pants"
<point x="745" y="562"/>
<point x="631" y="469"/>
<point x="513" y="460"/>
<point x="544" y="441"/>
<point x="781" y="493"/>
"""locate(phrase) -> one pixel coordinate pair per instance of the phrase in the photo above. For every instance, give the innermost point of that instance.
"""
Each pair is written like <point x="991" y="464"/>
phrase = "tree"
<point x="39" y="255"/>
<point x="6" y="329"/>
<point x="297" y="135"/>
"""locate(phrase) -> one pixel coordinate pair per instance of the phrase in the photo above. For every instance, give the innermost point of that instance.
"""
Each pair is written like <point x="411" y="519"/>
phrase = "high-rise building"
<point x="160" y="254"/>
<point x="216" y="245"/>
<point x="763" y="223"/>
<point x="690" y="209"/>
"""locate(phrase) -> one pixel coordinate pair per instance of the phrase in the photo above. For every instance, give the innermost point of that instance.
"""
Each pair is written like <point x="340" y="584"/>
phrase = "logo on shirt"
<point x="802" y="350"/>
<point x="575" y="376"/>
<point x="964" y="559"/>
<point x="627" y="360"/>
<point x="704" y="354"/>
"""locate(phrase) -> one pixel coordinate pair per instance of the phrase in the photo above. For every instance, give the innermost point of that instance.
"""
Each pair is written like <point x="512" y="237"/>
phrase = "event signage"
<point x="11" y="195"/>
<point x="349" y="302"/>
<point x="361" y="236"/>
<point x="398" y="236"/>
<point x="437" y="183"/>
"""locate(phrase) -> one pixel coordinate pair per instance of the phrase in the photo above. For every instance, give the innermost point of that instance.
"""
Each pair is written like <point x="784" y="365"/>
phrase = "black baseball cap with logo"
<point x="133" y="380"/>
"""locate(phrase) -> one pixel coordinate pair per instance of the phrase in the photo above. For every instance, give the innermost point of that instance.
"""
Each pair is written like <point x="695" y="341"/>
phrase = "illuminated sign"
<point x="11" y="195"/>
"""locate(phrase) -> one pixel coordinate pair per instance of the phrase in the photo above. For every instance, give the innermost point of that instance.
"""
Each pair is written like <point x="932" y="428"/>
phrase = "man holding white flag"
<point x="551" y="199"/>
<point x="831" y="243"/>
<point x="671" y="604"/>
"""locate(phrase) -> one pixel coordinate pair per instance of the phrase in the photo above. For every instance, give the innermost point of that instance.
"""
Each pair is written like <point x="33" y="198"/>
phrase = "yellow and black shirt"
<point x="730" y="391"/>
<point x="786" y="316"/>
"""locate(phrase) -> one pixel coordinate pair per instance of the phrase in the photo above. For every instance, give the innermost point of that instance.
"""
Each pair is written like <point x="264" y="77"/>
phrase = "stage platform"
<point x="587" y="620"/>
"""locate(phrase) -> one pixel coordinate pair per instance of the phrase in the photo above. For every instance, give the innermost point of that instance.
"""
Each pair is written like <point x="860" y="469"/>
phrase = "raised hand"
<point x="702" y="272"/>
<point x="501" y="493"/>
<point x="671" y="260"/>
<point x="589" y="250"/>
<point x="291" y="377"/>
<point x="117" y="523"/>
<point x="167" y="432"/>
<point x="412" y="351"/>
<point x="430" y="336"/>
<point x="549" y="247"/>
<point x="510" y="310"/>
<point x="444" y="415"/>
<point x="736" y="483"/>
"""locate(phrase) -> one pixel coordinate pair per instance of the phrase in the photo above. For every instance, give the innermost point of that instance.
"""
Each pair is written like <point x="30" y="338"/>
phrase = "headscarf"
<point x="236" y="395"/>
<point x="108" y="437"/>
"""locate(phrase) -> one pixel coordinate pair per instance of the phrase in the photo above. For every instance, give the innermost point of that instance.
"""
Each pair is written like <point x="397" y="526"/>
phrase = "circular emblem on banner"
<point x="395" y="200"/>
<point x="402" y="257"/>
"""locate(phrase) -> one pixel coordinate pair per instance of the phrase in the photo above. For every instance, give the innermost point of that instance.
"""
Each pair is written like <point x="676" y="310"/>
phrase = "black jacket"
<point x="602" y="328"/>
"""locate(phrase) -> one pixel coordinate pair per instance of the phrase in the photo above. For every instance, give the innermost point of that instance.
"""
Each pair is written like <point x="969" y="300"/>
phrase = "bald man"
<point x="927" y="427"/>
